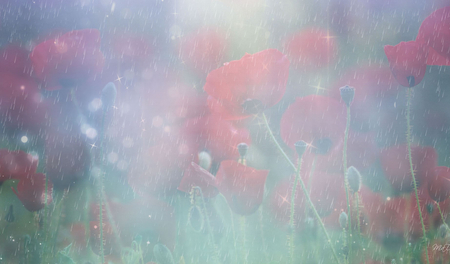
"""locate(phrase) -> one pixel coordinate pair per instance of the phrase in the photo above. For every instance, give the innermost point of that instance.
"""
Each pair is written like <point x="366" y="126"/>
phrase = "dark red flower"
<point x="435" y="33"/>
<point x="69" y="59"/>
<point x="439" y="185"/>
<point x="311" y="49"/>
<point x="396" y="168"/>
<point x="195" y="175"/>
<point x="16" y="165"/>
<point x="31" y="192"/>
<point x="247" y="86"/>
<point x="242" y="186"/>
<point x="21" y="104"/>
<point x="203" y="50"/>
<point x="314" y="119"/>
<point x="218" y="136"/>
<point x="408" y="62"/>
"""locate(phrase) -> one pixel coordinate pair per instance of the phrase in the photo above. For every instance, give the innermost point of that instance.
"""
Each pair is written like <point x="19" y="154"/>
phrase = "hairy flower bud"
<point x="343" y="220"/>
<point x="354" y="179"/>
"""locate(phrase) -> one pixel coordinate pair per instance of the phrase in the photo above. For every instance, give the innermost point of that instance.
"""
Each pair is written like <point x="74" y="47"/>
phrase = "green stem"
<point x="208" y="224"/>
<point x="440" y="212"/>
<point x="302" y="184"/>
<point x="347" y="192"/>
<point x="243" y="240"/>
<point x="261" y="228"/>
<point x="232" y="227"/>
<point x="408" y="139"/>
<point x="291" y="219"/>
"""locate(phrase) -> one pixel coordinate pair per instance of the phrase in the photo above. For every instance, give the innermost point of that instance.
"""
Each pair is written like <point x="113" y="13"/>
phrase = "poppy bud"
<point x="109" y="94"/>
<point x="343" y="220"/>
<point x="347" y="94"/>
<point x="430" y="208"/>
<point x="443" y="230"/>
<point x="354" y="179"/>
<point x="242" y="148"/>
<point x="300" y="147"/>
<point x="163" y="254"/>
<point x="195" y="218"/>
<point x="204" y="160"/>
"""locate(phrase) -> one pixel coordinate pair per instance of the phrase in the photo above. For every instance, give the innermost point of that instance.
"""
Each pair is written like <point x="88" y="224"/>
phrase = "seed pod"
<point x="343" y="220"/>
<point x="300" y="147"/>
<point x="163" y="254"/>
<point x="242" y="148"/>
<point x="196" y="218"/>
<point x="354" y="179"/>
<point x="443" y="230"/>
<point x="347" y="94"/>
<point x="430" y="208"/>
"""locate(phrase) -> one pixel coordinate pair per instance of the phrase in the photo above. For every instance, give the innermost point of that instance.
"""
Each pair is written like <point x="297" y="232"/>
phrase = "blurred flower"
<point x="247" y="86"/>
<point x="311" y="49"/>
<point x="408" y="62"/>
<point x="69" y="59"/>
<point x="439" y="185"/>
<point x="203" y="50"/>
<point x="219" y="137"/>
<point x="435" y="33"/>
<point x="132" y="51"/>
<point x="242" y="186"/>
<point x="396" y="167"/>
<point x="16" y="165"/>
<point x="31" y="192"/>
<point x="194" y="175"/>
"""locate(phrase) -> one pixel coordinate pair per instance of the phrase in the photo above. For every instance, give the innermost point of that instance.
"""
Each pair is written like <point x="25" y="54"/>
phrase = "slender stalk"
<point x="302" y="184"/>
<point x="291" y="219"/>
<point x="101" y="188"/>
<point x="440" y="212"/>
<point x="208" y="224"/>
<point x="263" y="239"/>
<point x="408" y="139"/>
<point x="243" y="240"/>
<point x="358" y="213"/>
<point x="232" y="227"/>
<point x="347" y="192"/>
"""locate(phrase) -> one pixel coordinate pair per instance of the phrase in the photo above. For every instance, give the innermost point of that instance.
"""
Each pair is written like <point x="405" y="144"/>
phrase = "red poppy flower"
<point x="203" y="50"/>
<point x="408" y="62"/>
<point x="314" y="119"/>
<point x="195" y="175"/>
<point x="21" y="104"/>
<point x="31" y="192"/>
<point x="218" y="136"/>
<point x="311" y="49"/>
<point x="69" y="59"/>
<point x="242" y="186"/>
<point x="439" y="185"/>
<point x="247" y="86"/>
<point x="16" y="165"/>
<point x="435" y="33"/>
<point x="396" y="168"/>
<point x="14" y="60"/>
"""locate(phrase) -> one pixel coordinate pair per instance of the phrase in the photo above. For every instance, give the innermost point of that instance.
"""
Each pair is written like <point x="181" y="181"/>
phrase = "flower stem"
<point x="408" y="139"/>
<point x="208" y="223"/>
<point x="440" y="212"/>
<point x="243" y="240"/>
<point x="305" y="191"/>
<point x="291" y="219"/>
<point x="347" y="191"/>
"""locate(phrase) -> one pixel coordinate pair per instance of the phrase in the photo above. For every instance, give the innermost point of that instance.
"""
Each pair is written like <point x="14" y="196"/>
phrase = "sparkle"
<point x="328" y="36"/>
<point x="266" y="67"/>
<point x="92" y="146"/>
<point x="115" y="107"/>
<point x="284" y="199"/>
<point x="119" y="79"/>
<point x="318" y="87"/>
